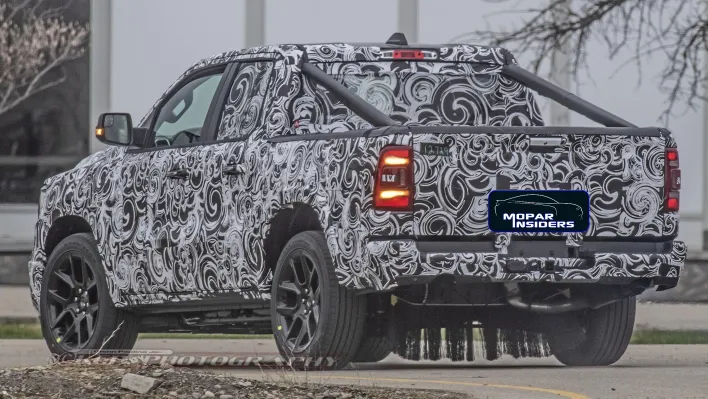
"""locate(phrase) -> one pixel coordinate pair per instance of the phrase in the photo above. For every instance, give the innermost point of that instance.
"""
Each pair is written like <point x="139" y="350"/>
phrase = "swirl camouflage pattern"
<point x="169" y="240"/>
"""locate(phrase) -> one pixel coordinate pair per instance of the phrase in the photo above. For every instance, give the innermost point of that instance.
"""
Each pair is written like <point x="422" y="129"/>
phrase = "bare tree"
<point x="674" y="32"/>
<point x="35" y="41"/>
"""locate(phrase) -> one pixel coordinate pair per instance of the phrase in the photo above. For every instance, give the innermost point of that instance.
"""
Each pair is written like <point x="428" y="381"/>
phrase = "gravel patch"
<point x="123" y="378"/>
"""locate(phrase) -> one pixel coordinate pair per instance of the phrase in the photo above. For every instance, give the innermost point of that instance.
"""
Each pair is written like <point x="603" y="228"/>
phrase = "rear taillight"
<point x="393" y="187"/>
<point x="672" y="180"/>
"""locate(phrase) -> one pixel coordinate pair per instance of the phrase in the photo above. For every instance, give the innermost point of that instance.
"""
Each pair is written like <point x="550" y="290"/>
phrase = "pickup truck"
<point x="337" y="197"/>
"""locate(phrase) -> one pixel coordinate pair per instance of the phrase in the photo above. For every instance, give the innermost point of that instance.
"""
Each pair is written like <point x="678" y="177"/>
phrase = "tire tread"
<point x="611" y="329"/>
<point x="373" y="349"/>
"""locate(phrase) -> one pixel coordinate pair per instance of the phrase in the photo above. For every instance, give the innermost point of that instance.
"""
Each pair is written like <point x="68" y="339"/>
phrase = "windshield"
<point x="417" y="93"/>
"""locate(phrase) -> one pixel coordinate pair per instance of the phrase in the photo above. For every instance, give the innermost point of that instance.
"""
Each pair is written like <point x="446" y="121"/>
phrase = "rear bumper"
<point x="399" y="262"/>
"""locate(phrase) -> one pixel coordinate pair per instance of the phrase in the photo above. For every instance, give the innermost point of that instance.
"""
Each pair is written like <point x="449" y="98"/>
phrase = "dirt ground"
<point x="103" y="378"/>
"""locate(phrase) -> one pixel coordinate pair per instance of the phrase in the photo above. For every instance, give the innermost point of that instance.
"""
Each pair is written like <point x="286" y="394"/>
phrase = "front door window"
<point x="182" y="117"/>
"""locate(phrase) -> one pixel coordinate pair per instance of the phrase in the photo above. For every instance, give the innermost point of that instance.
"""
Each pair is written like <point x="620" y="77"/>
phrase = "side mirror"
<point x="117" y="129"/>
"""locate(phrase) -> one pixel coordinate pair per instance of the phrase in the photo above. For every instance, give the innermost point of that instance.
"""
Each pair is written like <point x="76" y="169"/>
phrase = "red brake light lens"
<point x="672" y="180"/>
<point x="672" y="204"/>
<point x="408" y="55"/>
<point x="393" y="187"/>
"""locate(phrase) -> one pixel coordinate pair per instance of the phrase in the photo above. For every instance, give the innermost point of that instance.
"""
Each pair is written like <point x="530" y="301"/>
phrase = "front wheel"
<point x="317" y="324"/>
<point x="596" y="337"/>
<point x="77" y="315"/>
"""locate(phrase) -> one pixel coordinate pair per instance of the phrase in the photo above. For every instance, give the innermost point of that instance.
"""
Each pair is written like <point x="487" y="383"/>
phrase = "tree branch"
<point x="28" y="94"/>
<point x="35" y="41"/>
<point x="674" y="31"/>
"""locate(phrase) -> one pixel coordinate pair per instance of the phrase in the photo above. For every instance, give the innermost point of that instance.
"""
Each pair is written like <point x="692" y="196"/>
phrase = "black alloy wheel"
<point x="298" y="301"/>
<point x="76" y="310"/>
<point x="317" y="322"/>
<point x="72" y="302"/>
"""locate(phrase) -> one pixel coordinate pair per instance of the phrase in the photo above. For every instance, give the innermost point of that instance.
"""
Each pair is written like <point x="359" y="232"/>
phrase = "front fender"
<point x="88" y="192"/>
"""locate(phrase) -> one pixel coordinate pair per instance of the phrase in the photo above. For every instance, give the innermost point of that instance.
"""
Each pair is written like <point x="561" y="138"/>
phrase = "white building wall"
<point x="312" y="21"/>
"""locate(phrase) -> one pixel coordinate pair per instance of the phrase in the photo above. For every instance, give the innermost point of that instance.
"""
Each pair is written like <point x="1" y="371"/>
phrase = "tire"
<point x="76" y="261"/>
<point x="373" y="349"/>
<point x="334" y="315"/>
<point x="594" y="337"/>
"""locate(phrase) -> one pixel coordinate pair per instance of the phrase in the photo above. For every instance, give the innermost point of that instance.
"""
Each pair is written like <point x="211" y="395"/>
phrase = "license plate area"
<point x="544" y="265"/>
<point x="538" y="248"/>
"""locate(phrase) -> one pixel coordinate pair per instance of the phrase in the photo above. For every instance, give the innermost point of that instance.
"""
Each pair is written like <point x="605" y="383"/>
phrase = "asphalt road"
<point x="646" y="371"/>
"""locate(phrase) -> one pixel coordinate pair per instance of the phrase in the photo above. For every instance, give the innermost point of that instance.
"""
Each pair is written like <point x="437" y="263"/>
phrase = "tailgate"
<point x="457" y="167"/>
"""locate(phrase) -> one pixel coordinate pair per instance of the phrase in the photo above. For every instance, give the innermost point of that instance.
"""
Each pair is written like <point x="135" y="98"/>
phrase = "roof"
<point x="293" y="54"/>
<point x="348" y="52"/>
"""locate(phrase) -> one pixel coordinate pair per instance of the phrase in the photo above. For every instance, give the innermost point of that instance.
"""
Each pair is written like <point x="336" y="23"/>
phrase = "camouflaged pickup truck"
<point x="338" y="196"/>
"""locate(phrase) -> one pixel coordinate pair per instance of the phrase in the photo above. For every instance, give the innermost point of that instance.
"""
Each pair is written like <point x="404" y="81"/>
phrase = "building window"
<point x="48" y="132"/>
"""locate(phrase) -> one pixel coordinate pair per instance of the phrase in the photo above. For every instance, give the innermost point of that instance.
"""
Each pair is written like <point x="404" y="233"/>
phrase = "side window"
<point x="182" y="117"/>
<point x="244" y="109"/>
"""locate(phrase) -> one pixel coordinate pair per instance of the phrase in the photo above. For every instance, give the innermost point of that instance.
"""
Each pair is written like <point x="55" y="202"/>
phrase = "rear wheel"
<point x="317" y="323"/>
<point x="76" y="311"/>
<point x="373" y="349"/>
<point x="594" y="337"/>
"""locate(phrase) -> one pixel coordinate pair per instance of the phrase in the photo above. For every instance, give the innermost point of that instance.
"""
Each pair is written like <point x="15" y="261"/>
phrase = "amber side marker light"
<point x="99" y="132"/>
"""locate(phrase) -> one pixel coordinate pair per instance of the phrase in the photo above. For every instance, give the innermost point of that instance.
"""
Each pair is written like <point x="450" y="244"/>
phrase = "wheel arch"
<point x="289" y="221"/>
<point x="63" y="227"/>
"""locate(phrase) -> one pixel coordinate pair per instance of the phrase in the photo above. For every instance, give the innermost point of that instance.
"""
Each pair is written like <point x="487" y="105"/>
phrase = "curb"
<point x="19" y="320"/>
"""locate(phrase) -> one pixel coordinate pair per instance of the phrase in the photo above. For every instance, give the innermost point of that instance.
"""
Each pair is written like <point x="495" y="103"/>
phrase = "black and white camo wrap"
<point x="402" y="258"/>
<point x="216" y="225"/>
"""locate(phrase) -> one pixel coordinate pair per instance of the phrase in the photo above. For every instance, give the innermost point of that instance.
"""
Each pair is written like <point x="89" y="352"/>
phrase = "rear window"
<point x="416" y="93"/>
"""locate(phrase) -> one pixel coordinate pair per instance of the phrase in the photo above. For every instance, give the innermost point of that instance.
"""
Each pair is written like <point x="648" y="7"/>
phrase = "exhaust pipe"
<point x="568" y="305"/>
<point x="556" y="307"/>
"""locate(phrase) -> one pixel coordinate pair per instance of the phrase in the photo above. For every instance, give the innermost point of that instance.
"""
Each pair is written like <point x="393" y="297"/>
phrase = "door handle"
<point x="545" y="144"/>
<point x="178" y="174"/>
<point x="234" y="169"/>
